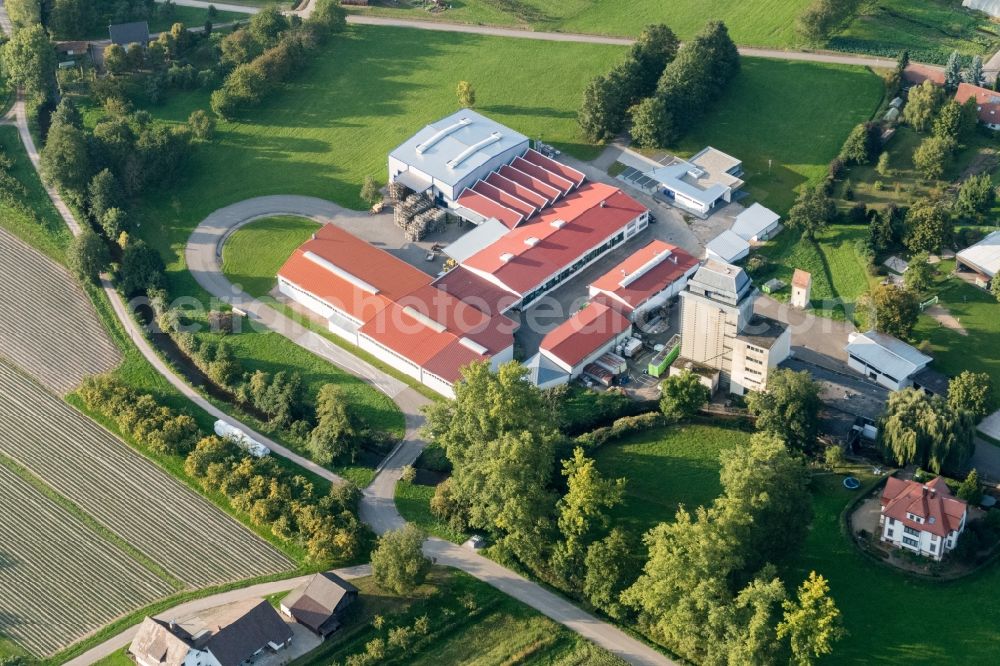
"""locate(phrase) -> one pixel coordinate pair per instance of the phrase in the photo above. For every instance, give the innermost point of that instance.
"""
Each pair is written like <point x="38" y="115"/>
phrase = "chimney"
<point x="603" y="203"/>
<point x="314" y="235"/>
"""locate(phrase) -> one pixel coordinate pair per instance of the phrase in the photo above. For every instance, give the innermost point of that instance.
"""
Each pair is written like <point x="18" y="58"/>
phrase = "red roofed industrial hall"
<point x="390" y="309"/>
<point x="646" y="280"/>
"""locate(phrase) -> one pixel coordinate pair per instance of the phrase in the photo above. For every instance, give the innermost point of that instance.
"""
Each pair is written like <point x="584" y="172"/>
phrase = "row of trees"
<point x="78" y="19"/>
<point x="271" y="496"/>
<point x="694" y="593"/>
<point x="935" y="432"/>
<point x="694" y="79"/>
<point x="267" y="51"/>
<point x="608" y="97"/>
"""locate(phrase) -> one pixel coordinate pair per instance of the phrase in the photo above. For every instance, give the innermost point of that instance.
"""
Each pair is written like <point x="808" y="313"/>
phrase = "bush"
<point x="623" y="426"/>
<point x="434" y="459"/>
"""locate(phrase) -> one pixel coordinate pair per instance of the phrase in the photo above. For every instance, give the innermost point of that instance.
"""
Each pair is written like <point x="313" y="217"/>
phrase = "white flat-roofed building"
<point x="702" y="183"/>
<point x="756" y="224"/>
<point x="728" y="247"/>
<point x="884" y="359"/>
<point x="983" y="258"/>
<point x="454" y="153"/>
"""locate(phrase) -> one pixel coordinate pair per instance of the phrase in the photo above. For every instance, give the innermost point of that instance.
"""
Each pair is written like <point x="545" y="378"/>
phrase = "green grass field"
<point x="786" y="121"/>
<point x="413" y="502"/>
<point x="979" y="313"/>
<point x="914" y="24"/>
<point x="470" y="623"/>
<point x="45" y="230"/>
<point x="884" y="611"/>
<point x="666" y="467"/>
<point x="839" y="273"/>
<point x="253" y="254"/>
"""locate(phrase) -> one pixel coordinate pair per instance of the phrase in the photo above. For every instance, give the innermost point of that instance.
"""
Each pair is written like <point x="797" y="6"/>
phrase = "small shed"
<point x="896" y="103"/>
<point x="801" y="288"/>
<point x="123" y="34"/>
<point x="891" y="116"/>
<point x="319" y="603"/>
<point x="772" y="286"/>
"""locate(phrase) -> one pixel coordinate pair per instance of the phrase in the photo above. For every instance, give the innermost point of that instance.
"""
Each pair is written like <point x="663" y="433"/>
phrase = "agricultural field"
<point x="469" y="623"/>
<point x="861" y="587"/>
<point x="46" y="553"/>
<point x="127" y="494"/>
<point x="802" y="112"/>
<point x="840" y="274"/>
<point x="47" y="325"/>
<point x="934" y="26"/>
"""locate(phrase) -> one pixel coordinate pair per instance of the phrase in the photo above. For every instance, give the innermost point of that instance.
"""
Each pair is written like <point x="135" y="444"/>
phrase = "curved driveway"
<point x="378" y="509"/>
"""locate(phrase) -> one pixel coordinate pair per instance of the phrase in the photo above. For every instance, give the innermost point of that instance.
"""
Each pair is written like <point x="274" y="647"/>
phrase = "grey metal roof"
<point x="984" y="255"/>
<point x="124" y="34"/>
<point x="720" y="277"/>
<point x="754" y="221"/>
<point x="542" y="370"/>
<point x="477" y="239"/>
<point x="728" y="246"/>
<point x="453" y="147"/>
<point x="886" y="353"/>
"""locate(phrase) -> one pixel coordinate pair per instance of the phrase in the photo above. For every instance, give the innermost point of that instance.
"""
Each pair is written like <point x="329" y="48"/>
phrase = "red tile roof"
<point x="521" y="191"/>
<point x="418" y="321"/>
<point x="584" y="333"/>
<point x="548" y="191"/>
<point x="468" y="287"/>
<point x="549" y="164"/>
<point x="505" y="198"/>
<point x="661" y="264"/>
<point x="801" y="278"/>
<point x="489" y="208"/>
<point x="392" y="278"/>
<point x="916" y="73"/>
<point x="941" y="513"/>
<point x="550" y="178"/>
<point x="543" y="246"/>
<point x="987" y="102"/>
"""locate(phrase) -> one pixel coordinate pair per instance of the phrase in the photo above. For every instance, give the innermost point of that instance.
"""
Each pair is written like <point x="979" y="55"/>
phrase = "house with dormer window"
<point x="923" y="518"/>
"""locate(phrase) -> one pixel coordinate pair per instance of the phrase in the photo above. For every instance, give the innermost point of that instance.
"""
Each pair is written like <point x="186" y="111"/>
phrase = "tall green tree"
<point x="652" y="123"/>
<point x="141" y="269"/>
<point x="950" y="123"/>
<point x="976" y="197"/>
<point x="881" y="231"/>
<point x="971" y="392"/>
<point x="683" y="395"/>
<point x="891" y="310"/>
<point x="769" y="484"/>
<point x="928" y="227"/>
<point x="953" y="72"/>
<point x="65" y="162"/>
<point x="932" y="156"/>
<point x="788" y="407"/>
<point x="103" y="193"/>
<point x="398" y="563"/>
<point x="975" y="75"/>
<point x="919" y="274"/>
<point x="811" y="622"/>
<point x="812" y="211"/>
<point x="335" y="435"/>
<point x="921" y="105"/>
<point x="582" y="511"/>
<point x="28" y="61"/>
<point x="858" y="147"/>
<point x="752" y="639"/>
<point x="266" y="26"/>
<point x="609" y="568"/>
<point x="924" y="430"/>
<point x="88" y="256"/>
<point x="655" y="48"/>
<point x="600" y="115"/>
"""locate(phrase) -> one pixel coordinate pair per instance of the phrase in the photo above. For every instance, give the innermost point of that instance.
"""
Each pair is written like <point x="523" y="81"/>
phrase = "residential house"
<point x="320" y="602"/>
<point x="226" y="635"/>
<point x="987" y="103"/>
<point x="923" y="518"/>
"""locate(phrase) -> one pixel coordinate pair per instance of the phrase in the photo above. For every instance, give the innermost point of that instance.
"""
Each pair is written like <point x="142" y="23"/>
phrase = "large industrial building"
<point x="390" y="309"/>
<point x="645" y="280"/>
<point x="719" y="329"/>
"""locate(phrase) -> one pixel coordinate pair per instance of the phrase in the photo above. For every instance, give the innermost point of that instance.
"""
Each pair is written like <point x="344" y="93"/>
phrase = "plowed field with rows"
<point x="47" y="324"/>
<point x="59" y="579"/>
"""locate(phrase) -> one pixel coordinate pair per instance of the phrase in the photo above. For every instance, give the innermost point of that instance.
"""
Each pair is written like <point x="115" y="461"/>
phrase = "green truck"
<point x="663" y="358"/>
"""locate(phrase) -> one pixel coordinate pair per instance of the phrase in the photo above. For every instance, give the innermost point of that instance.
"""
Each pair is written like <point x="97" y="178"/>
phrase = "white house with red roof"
<point x="987" y="103"/>
<point x="647" y="279"/>
<point x="580" y="340"/>
<point x="390" y="309"/>
<point x="921" y="517"/>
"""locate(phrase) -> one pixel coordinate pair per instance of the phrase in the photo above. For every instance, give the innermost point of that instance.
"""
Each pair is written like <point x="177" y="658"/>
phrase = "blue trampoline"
<point x="851" y="483"/>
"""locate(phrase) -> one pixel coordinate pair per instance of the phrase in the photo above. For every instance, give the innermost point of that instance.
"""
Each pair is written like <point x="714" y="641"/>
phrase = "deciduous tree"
<point x="141" y="268"/>
<point x="88" y="256"/>
<point x="971" y="392"/>
<point x="683" y="395"/>
<point x="976" y="197"/>
<point x="398" y="564"/>
<point x="922" y="102"/>
<point x="928" y="227"/>
<point x="608" y="570"/>
<point x="369" y="191"/>
<point x="919" y="274"/>
<point x="923" y="430"/>
<point x="932" y="156"/>
<point x="812" y="211"/>
<point x="890" y="309"/>
<point x="811" y="622"/>
<point x="335" y="435"/>
<point x="788" y="407"/>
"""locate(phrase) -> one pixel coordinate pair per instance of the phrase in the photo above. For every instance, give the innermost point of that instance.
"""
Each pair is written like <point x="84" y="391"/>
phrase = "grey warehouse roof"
<point x="724" y="281"/>
<point x="728" y="246"/>
<point x="890" y="355"/>
<point x="455" y="146"/>
<point x="754" y="221"/>
<point x="984" y="255"/>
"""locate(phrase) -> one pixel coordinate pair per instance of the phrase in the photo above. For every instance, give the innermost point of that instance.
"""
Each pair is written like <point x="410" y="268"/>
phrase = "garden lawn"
<point x="413" y="501"/>
<point x="44" y="230"/>
<point x="979" y="313"/>
<point x="253" y="254"/>
<point x="892" y="618"/>
<point x="470" y="623"/>
<point x="664" y="468"/>
<point x="786" y="120"/>
<point x="839" y="273"/>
